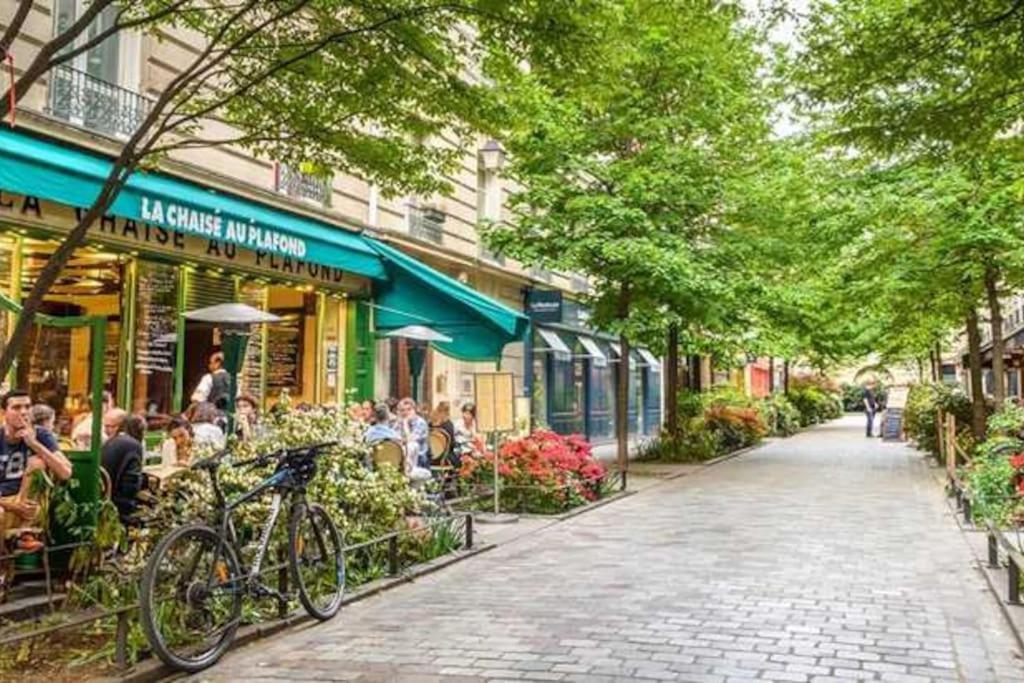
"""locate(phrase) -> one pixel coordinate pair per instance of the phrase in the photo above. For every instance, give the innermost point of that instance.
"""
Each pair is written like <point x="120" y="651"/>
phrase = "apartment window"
<point x="96" y="89"/>
<point x="426" y="223"/>
<point x="304" y="183"/>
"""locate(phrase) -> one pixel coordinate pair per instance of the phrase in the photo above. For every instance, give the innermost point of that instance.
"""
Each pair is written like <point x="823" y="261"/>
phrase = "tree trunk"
<point x="785" y="376"/>
<point x="933" y="365"/>
<point x="995" y="312"/>
<point x="920" y="369"/>
<point x="622" y="389"/>
<point x="977" y="391"/>
<point x="771" y="375"/>
<point x="938" y="362"/>
<point x="672" y="381"/>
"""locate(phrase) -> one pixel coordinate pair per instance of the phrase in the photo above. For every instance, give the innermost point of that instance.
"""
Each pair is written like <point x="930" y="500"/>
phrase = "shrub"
<point x="734" y="427"/>
<point x="995" y="483"/>
<point x="780" y="415"/>
<point x="923" y="401"/>
<point x="544" y="472"/>
<point x="814" y="404"/>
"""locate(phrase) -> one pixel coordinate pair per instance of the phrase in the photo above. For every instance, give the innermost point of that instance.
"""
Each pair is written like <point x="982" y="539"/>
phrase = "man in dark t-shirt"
<point x="870" y="404"/>
<point x="24" y="449"/>
<point x="121" y="457"/>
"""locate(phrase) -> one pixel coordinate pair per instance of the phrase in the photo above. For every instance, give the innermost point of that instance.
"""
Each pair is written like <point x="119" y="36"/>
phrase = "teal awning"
<point x="58" y="173"/>
<point x="415" y="294"/>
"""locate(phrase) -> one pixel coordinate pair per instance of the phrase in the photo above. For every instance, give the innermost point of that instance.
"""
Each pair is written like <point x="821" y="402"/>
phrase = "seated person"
<point x="381" y="429"/>
<point x="81" y="431"/>
<point x="204" y="426"/>
<point x="176" y="450"/>
<point x="44" y="417"/>
<point x="24" y="450"/>
<point x="121" y="457"/>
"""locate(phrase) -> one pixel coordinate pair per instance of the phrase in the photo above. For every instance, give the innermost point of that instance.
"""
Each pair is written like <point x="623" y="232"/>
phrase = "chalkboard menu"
<point x="111" y="355"/>
<point x="892" y="424"/>
<point x="157" y="317"/>
<point x="156" y="335"/>
<point x="251" y="378"/>
<point x="284" y="352"/>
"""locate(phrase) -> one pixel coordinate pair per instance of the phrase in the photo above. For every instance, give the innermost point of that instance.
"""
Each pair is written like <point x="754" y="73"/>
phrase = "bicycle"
<point x="208" y="579"/>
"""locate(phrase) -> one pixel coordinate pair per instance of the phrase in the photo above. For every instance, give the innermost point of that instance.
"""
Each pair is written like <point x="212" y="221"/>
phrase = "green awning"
<point x="415" y="294"/>
<point x="59" y="173"/>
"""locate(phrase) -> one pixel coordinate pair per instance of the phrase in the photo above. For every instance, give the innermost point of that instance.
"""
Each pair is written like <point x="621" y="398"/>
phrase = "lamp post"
<point x="235" y="322"/>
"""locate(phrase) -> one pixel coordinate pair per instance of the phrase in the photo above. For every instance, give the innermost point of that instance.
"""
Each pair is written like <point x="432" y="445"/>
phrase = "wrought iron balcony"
<point x="426" y="223"/>
<point x="297" y="184"/>
<point x="95" y="104"/>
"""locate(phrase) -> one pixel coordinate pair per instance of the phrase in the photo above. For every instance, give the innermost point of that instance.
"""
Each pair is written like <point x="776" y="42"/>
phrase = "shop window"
<point x="1013" y="383"/>
<point x="565" y="393"/>
<point x="332" y="375"/>
<point x="55" y="363"/>
<point x="156" y="337"/>
<point x="602" y="402"/>
<point x="291" y="345"/>
<point x="651" y="377"/>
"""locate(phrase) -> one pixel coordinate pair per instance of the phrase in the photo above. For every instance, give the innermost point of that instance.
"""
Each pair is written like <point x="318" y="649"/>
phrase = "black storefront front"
<point x="571" y="373"/>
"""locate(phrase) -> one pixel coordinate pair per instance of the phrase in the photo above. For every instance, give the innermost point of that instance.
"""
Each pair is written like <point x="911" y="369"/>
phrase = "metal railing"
<point x="94" y="104"/>
<point x="297" y="184"/>
<point x="87" y="616"/>
<point x="426" y="224"/>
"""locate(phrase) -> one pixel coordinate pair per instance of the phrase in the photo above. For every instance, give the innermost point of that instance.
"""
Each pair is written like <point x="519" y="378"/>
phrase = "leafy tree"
<point x="362" y="87"/>
<point x="621" y="166"/>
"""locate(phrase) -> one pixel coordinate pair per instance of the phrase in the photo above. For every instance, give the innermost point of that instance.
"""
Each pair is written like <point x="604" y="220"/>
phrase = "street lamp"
<point x="235" y="322"/>
<point x="492" y="154"/>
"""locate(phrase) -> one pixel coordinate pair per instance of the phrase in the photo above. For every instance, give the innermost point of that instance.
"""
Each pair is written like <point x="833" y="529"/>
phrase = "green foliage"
<point x="990" y="481"/>
<point x="923" y="402"/>
<point x="1006" y="421"/>
<point x="814" y="404"/>
<point x="781" y="416"/>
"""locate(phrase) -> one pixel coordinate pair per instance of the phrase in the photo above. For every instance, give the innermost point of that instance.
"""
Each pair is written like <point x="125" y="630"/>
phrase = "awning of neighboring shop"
<point x="553" y="341"/>
<point x="649" y="359"/>
<point x="415" y="294"/>
<point x="59" y="173"/>
<point x="617" y="350"/>
<point x="594" y="351"/>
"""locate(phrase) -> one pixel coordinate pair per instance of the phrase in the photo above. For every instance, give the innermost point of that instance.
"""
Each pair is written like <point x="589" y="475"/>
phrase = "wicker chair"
<point x="388" y="452"/>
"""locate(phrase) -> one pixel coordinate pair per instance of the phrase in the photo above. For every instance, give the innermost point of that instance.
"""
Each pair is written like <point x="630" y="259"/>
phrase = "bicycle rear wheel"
<point x="191" y="597"/>
<point x="317" y="559"/>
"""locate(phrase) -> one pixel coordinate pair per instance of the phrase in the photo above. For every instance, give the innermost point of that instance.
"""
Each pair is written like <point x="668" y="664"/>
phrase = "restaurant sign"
<point x="187" y="234"/>
<point x="544" y="305"/>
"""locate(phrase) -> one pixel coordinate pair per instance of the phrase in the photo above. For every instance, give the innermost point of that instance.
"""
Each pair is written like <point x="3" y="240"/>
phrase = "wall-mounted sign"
<point x="199" y="238"/>
<point x="544" y="305"/>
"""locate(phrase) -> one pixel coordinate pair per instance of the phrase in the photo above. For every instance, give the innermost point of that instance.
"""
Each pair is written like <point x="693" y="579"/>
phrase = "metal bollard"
<point x="993" y="551"/>
<point x="121" y="640"/>
<point x="393" y="555"/>
<point x="1013" y="587"/>
<point x="469" y="531"/>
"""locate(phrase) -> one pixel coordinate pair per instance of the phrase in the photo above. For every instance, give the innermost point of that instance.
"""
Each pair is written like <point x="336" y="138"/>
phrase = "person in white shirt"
<point x="204" y="426"/>
<point x="215" y="385"/>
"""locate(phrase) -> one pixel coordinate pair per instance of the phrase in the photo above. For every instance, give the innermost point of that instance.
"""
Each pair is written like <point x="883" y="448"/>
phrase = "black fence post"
<point x="967" y="510"/>
<point x="393" y="555"/>
<point x="282" y="585"/>
<point x="121" y="640"/>
<point x="993" y="551"/>
<point x="622" y="480"/>
<point x="469" y="531"/>
<point x="1013" y="587"/>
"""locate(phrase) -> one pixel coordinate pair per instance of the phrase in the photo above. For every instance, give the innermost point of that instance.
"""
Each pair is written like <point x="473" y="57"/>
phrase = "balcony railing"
<point x="426" y="224"/>
<point x="298" y="184"/>
<point x="95" y="104"/>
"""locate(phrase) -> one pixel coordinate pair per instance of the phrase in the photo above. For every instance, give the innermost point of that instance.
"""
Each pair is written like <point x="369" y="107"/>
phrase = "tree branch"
<point x="13" y="28"/>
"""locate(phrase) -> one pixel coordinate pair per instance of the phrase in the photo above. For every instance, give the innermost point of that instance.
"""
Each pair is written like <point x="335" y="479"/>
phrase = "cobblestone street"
<point x="824" y="557"/>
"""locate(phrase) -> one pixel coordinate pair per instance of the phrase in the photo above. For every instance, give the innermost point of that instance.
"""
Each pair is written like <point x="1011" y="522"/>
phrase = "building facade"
<point x="340" y="292"/>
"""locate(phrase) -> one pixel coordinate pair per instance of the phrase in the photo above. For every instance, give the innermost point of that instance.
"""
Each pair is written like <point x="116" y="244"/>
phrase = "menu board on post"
<point x="156" y="334"/>
<point x="284" y="351"/>
<point x="495" y="402"/>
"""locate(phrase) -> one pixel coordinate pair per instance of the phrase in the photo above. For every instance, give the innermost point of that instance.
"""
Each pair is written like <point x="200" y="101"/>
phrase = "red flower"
<point x="1017" y="461"/>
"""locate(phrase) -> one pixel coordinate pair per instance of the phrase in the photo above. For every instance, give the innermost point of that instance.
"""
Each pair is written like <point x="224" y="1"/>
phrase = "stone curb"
<point x="152" y="669"/>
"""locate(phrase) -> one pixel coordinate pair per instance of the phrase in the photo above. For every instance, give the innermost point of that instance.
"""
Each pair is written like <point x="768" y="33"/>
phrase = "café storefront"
<point x="169" y="246"/>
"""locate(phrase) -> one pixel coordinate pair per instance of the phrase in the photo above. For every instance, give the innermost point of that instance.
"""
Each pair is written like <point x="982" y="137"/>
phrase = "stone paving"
<point x="824" y="557"/>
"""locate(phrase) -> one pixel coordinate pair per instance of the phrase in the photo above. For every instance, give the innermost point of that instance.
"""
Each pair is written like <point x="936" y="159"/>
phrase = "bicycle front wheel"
<point x="191" y="597"/>
<point x="317" y="558"/>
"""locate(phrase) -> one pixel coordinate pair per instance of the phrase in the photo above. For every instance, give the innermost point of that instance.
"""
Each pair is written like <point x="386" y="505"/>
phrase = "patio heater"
<point x="417" y="352"/>
<point x="235" y="322"/>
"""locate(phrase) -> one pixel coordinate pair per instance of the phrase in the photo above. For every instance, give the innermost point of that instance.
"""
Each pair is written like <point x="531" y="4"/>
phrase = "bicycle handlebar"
<point x="264" y="459"/>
